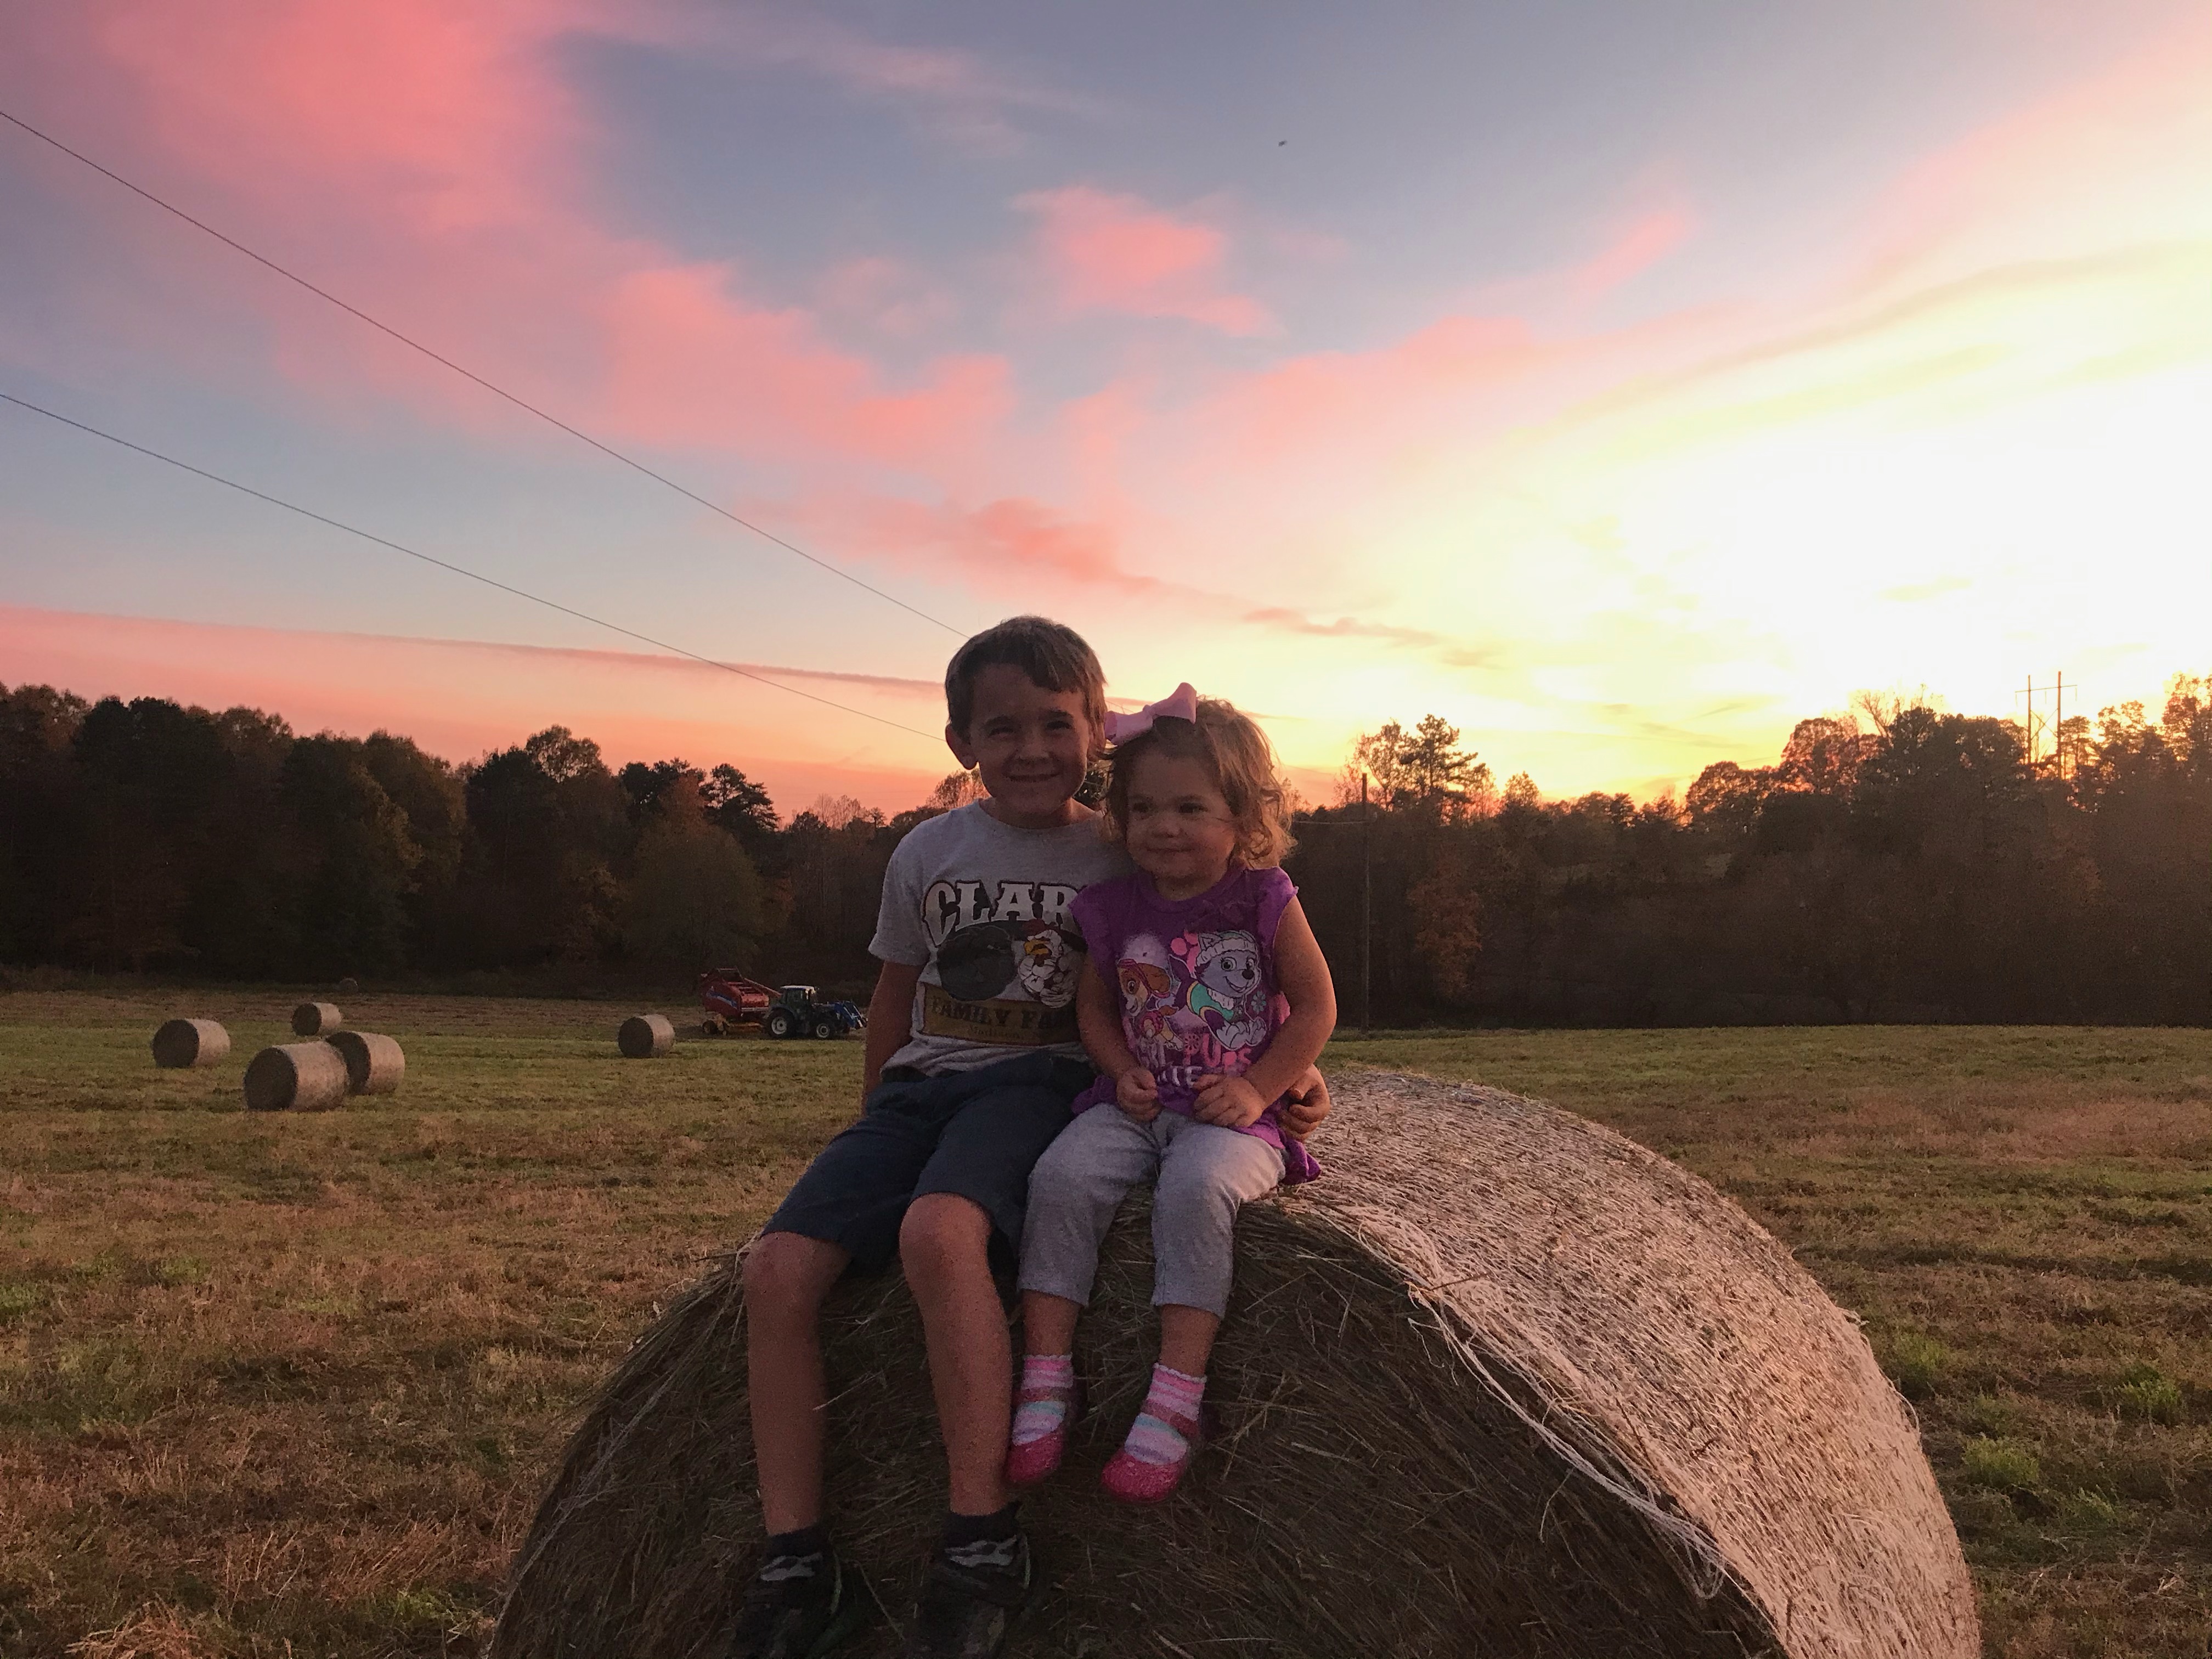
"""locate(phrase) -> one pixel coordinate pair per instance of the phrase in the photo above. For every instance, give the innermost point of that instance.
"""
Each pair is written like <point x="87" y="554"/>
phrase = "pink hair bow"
<point x="1180" y="704"/>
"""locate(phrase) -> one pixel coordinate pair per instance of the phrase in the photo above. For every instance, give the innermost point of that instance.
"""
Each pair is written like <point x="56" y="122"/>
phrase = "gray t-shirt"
<point x="981" y="909"/>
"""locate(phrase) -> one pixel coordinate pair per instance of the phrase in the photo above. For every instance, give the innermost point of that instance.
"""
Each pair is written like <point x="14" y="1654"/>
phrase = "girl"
<point x="1203" y="1003"/>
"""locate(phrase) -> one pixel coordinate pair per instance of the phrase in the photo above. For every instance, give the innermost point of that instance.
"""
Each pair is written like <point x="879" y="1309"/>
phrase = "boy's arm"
<point x="890" y="1020"/>
<point x="1302" y="973"/>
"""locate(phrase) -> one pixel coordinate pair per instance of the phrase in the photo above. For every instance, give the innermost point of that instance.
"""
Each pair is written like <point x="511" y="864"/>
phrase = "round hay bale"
<point x="644" y="1036"/>
<point x="181" y="1043"/>
<point x="373" y="1063"/>
<point x="348" y="985"/>
<point x="316" y="1019"/>
<point x="1503" y="1383"/>
<point x="305" y="1077"/>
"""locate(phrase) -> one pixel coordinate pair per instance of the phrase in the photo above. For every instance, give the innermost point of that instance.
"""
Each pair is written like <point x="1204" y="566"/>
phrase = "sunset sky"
<point x="1621" y="382"/>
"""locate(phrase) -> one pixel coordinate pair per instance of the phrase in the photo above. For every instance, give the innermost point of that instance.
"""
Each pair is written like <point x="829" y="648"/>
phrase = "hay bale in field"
<point x="305" y="1077"/>
<point x="316" y="1019"/>
<point x="373" y="1063"/>
<point x="181" y="1043"/>
<point x="1502" y="1383"/>
<point x="644" y="1036"/>
<point x="348" y="985"/>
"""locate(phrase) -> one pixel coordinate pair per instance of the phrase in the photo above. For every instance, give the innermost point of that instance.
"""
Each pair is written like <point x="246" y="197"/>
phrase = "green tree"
<point x="694" y="900"/>
<point x="358" y="858"/>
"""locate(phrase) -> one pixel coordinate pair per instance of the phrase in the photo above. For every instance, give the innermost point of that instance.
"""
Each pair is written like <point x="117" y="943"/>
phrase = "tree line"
<point x="1895" y="862"/>
<point x="146" y="835"/>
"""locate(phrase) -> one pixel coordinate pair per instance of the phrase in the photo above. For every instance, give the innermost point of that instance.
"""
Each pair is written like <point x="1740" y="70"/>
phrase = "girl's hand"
<point x="1230" y="1102"/>
<point x="1306" y="1105"/>
<point x="1138" y="1094"/>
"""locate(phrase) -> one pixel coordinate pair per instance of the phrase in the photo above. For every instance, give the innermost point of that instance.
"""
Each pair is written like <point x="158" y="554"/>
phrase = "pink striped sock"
<point x="1153" y="1437"/>
<point x="1047" y="1384"/>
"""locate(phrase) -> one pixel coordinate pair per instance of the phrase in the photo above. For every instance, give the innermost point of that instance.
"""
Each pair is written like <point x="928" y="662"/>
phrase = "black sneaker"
<point x="974" y="1592"/>
<point x="798" y="1607"/>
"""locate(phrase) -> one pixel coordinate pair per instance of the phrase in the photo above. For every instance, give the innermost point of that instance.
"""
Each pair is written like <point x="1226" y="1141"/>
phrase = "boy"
<point x="972" y="1059"/>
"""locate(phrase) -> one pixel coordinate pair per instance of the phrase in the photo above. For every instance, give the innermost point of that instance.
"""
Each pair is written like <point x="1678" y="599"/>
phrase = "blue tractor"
<point x="797" y="1011"/>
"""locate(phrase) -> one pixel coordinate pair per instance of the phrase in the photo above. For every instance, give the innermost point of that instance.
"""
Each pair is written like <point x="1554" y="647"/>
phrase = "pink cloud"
<point x="953" y="94"/>
<point x="1104" y="252"/>
<point x="887" y="295"/>
<point x="690" y="363"/>
<point x="1010" y="540"/>
<point x="430" y="163"/>
<point x="1328" y="411"/>
<point x="1640" y="244"/>
<point x="2135" y="123"/>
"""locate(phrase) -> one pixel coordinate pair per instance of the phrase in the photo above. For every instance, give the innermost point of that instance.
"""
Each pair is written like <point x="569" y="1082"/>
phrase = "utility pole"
<point x="2058" y="728"/>
<point x="1367" y="911"/>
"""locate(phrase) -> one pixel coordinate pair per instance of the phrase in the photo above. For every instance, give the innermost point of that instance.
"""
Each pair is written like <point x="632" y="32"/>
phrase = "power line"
<point x="470" y="374"/>
<point x="457" y="570"/>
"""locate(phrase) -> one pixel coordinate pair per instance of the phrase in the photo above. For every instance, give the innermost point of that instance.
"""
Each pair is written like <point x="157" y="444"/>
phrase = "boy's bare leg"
<point x="945" y="1245"/>
<point x="1187" y="1338"/>
<point x="787" y="1276"/>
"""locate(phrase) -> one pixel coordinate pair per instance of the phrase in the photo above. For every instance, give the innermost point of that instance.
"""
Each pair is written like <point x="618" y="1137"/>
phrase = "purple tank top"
<point x="1196" y="978"/>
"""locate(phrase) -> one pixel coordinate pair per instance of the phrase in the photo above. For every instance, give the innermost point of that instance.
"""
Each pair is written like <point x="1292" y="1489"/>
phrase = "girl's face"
<point x="1179" y="830"/>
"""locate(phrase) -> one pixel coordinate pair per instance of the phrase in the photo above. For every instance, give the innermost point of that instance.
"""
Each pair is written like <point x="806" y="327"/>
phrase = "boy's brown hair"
<point x="1236" y="753"/>
<point x="1053" y="654"/>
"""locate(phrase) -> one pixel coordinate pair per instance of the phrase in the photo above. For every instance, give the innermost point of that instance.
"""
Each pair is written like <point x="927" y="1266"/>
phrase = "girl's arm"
<point x="1302" y="973"/>
<point x="1098" y="1018"/>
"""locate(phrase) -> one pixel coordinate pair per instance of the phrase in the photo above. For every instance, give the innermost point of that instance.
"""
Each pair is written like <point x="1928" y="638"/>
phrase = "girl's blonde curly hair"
<point x="1236" y="755"/>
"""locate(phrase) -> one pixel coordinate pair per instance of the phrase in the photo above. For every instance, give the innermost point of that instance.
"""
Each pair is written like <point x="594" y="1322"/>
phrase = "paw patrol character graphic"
<point x="1047" y="963"/>
<point x="1225" y="990"/>
<point x="1146" y="977"/>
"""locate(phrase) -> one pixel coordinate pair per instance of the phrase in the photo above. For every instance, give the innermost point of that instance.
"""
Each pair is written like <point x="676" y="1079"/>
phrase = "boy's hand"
<point x="1137" y="1093"/>
<point x="1306" y="1105"/>
<point x="1230" y="1102"/>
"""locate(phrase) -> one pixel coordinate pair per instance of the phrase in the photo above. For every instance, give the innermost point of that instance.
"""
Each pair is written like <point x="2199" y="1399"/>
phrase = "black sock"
<point x="807" y="1540"/>
<point x="993" y="1528"/>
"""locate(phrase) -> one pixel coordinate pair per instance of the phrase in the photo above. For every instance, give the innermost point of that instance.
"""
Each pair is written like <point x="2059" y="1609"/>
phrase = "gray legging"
<point x="1202" y="1173"/>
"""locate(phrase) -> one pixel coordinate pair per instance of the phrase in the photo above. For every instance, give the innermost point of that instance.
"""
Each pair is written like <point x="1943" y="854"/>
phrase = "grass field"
<point x="289" y="1385"/>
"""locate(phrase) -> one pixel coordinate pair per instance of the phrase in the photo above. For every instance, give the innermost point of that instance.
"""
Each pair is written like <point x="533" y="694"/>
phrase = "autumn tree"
<point x="1425" y="766"/>
<point x="1446" y="909"/>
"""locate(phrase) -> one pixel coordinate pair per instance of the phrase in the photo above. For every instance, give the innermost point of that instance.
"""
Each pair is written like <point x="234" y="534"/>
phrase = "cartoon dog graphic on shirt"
<point x="1225" y="986"/>
<point x="1148" y="1004"/>
<point x="1047" y="964"/>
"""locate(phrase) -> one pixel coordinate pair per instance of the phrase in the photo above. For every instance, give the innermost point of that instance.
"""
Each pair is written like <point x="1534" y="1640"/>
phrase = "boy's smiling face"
<point x="1032" y="745"/>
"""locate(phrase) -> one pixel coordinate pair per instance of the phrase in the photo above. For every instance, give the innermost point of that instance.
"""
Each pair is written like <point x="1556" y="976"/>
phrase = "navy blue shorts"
<point x="973" y="1134"/>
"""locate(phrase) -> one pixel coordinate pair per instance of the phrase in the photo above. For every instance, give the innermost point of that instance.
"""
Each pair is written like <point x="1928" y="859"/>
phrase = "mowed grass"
<point x="289" y="1383"/>
<point x="292" y="1383"/>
